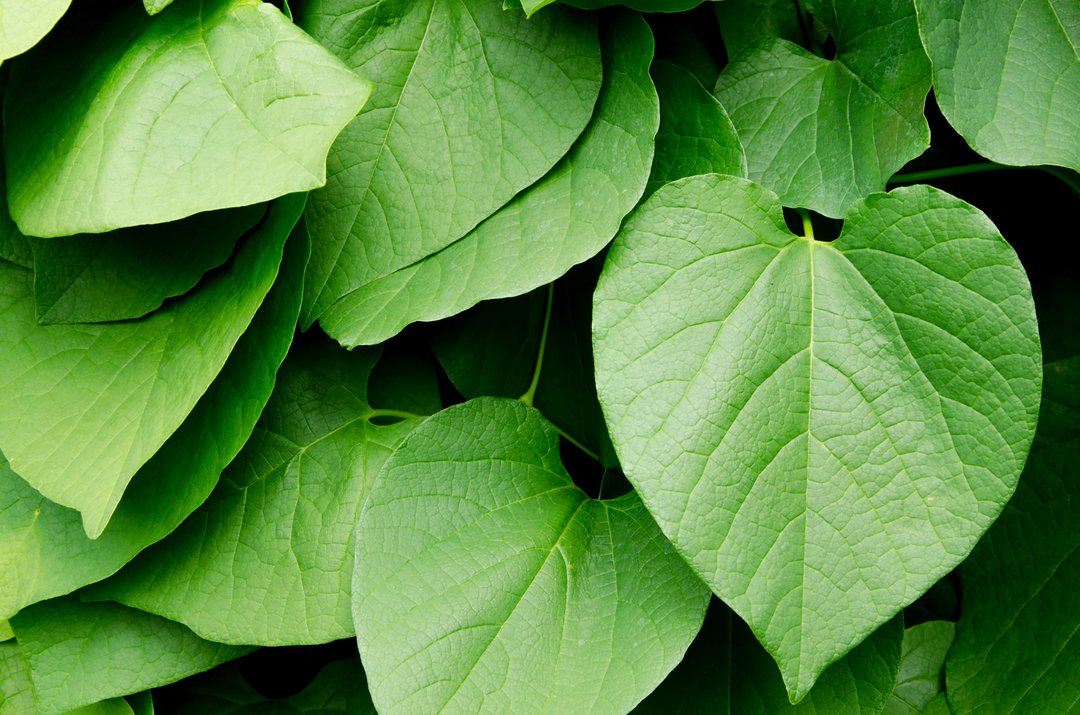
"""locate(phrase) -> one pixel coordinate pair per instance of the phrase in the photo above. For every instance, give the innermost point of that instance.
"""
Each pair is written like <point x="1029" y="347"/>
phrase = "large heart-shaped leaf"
<point x="487" y="581"/>
<point x="543" y="231"/>
<point x="472" y="104"/>
<point x="1007" y="75"/>
<point x="825" y="133"/>
<point x="44" y="551"/>
<point x="85" y="406"/>
<point x="24" y="22"/>
<point x="268" y="558"/>
<point x="216" y="103"/>
<point x="1015" y="648"/>
<point x="81" y="653"/>
<point x="822" y="429"/>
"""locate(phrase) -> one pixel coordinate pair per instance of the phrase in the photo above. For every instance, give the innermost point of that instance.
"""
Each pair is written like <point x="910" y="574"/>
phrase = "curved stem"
<point x="527" y="398"/>
<point x="574" y="442"/>
<point x="807" y="226"/>
<point x="912" y="177"/>
<point x="402" y="414"/>
<point x="1070" y="179"/>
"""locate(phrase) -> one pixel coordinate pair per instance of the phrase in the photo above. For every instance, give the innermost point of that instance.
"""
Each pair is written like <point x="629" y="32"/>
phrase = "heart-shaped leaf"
<point x="825" y="133"/>
<point x="487" y="581"/>
<point x="216" y="103"/>
<point x="823" y="429"/>
<point x="472" y="104"/>
<point x="1007" y="75"/>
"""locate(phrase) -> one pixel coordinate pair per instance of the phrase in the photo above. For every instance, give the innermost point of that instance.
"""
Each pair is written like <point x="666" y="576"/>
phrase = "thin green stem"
<point x="603" y="479"/>
<point x="807" y="225"/>
<point x="913" y="177"/>
<point x="402" y="414"/>
<point x="574" y="442"/>
<point x="527" y="398"/>
<point x="1070" y="178"/>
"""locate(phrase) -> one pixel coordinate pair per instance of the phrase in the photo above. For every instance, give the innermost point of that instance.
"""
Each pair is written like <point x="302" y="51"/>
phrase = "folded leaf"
<point x="823" y="429"/>
<point x="44" y="551"/>
<point x="1007" y="77"/>
<point x="825" y="133"/>
<point x="473" y="103"/>
<point x="216" y="103"/>
<point x="24" y="22"/>
<point x="81" y="653"/>
<point x="129" y="272"/>
<point x="268" y="558"/>
<point x="1015" y="649"/>
<point x="486" y="579"/>
<point x="85" y="406"/>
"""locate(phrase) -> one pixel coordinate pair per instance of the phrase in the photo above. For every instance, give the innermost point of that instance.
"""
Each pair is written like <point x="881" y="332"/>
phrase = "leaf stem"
<point x="574" y="442"/>
<point x="393" y="413"/>
<point x="912" y="177"/>
<point x="527" y="398"/>
<point x="807" y="225"/>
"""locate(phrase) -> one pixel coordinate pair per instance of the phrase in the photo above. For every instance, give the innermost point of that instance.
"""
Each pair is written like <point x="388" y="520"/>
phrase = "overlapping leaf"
<point x="531" y="6"/>
<point x="922" y="668"/>
<point x="81" y="653"/>
<point x="44" y="551"/>
<point x="85" y="406"/>
<point x="485" y="579"/>
<point x="473" y="103"/>
<point x="268" y="558"/>
<point x="1015" y="649"/>
<point x="825" y="133"/>
<point x="1007" y="75"/>
<point x="24" y="22"/>
<point x="128" y="273"/>
<point x="823" y="429"/>
<point x="563" y="219"/>
<point x="216" y="103"/>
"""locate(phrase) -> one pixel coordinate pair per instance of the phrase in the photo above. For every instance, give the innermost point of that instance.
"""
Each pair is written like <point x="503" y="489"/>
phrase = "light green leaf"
<point x="268" y="558"/>
<point x="81" y="653"/>
<point x="531" y="6"/>
<point x="564" y="219"/>
<point x="922" y="668"/>
<point x="216" y="103"/>
<point x="16" y="687"/>
<point x="153" y="7"/>
<point x="727" y="672"/>
<point x="825" y="133"/>
<point x="24" y="22"/>
<point x="1007" y="75"/>
<point x="85" y="406"/>
<point x="129" y="272"/>
<point x="905" y="358"/>
<point x="44" y="551"/>
<point x="485" y="579"/>
<point x="1015" y="649"/>
<point x="744" y="23"/>
<point x="5" y="631"/>
<point x="696" y="135"/>
<point x="338" y="688"/>
<point x="14" y="246"/>
<point x="472" y="104"/>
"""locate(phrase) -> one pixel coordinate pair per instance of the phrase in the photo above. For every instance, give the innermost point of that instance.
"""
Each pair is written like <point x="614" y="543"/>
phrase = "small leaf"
<point x="85" y="406"/>
<point x="485" y="579"/>
<point x="1015" y="649"/>
<point x="1007" y="77"/>
<point x="922" y="668"/>
<point x="81" y="653"/>
<point x="216" y="103"/>
<point x="472" y="104"/>
<point x="24" y="22"/>
<point x="130" y="272"/>
<point x="543" y="231"/>
<point x="153" y="7"/>
<point x="825" y="133"/>
<point x="268" y="558"/>
<point x="823" y="429"/>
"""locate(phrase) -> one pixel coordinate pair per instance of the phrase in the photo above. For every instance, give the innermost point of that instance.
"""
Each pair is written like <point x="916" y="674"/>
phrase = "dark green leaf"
<point x="922" y="668"/>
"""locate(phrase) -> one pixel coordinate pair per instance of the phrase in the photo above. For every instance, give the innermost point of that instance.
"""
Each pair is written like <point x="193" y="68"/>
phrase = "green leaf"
<point x="24" y="22"/>
<point x="823" y="429"/>
<point x="85" y="406"/>
<point x="153" y="7"/>
<point x="727" y="672"/>
<point x="268" y="558"/>
<point x="696" y="135"/>
<point x="472" y="104"/>
<point x="44" y="551"/>
<point x="216" y="103"/>
<point x="744" y="23"/>
<point x="1007" y="75"/>
<point x="16" y="688"/>
<point x="492" y="350"/>
<point x="81" y="653"/>
<point x="486" y="580"/>
<point x="1014" y="649"/>
<point x="542" y="232"/>
<point x="825" y="133"/>
<point x="531" y="6"/>
<point x="14" y="246"/>
<point x="338" y="688"/>
<point x="130" y="272"/>
<point x="922" y="668"/>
